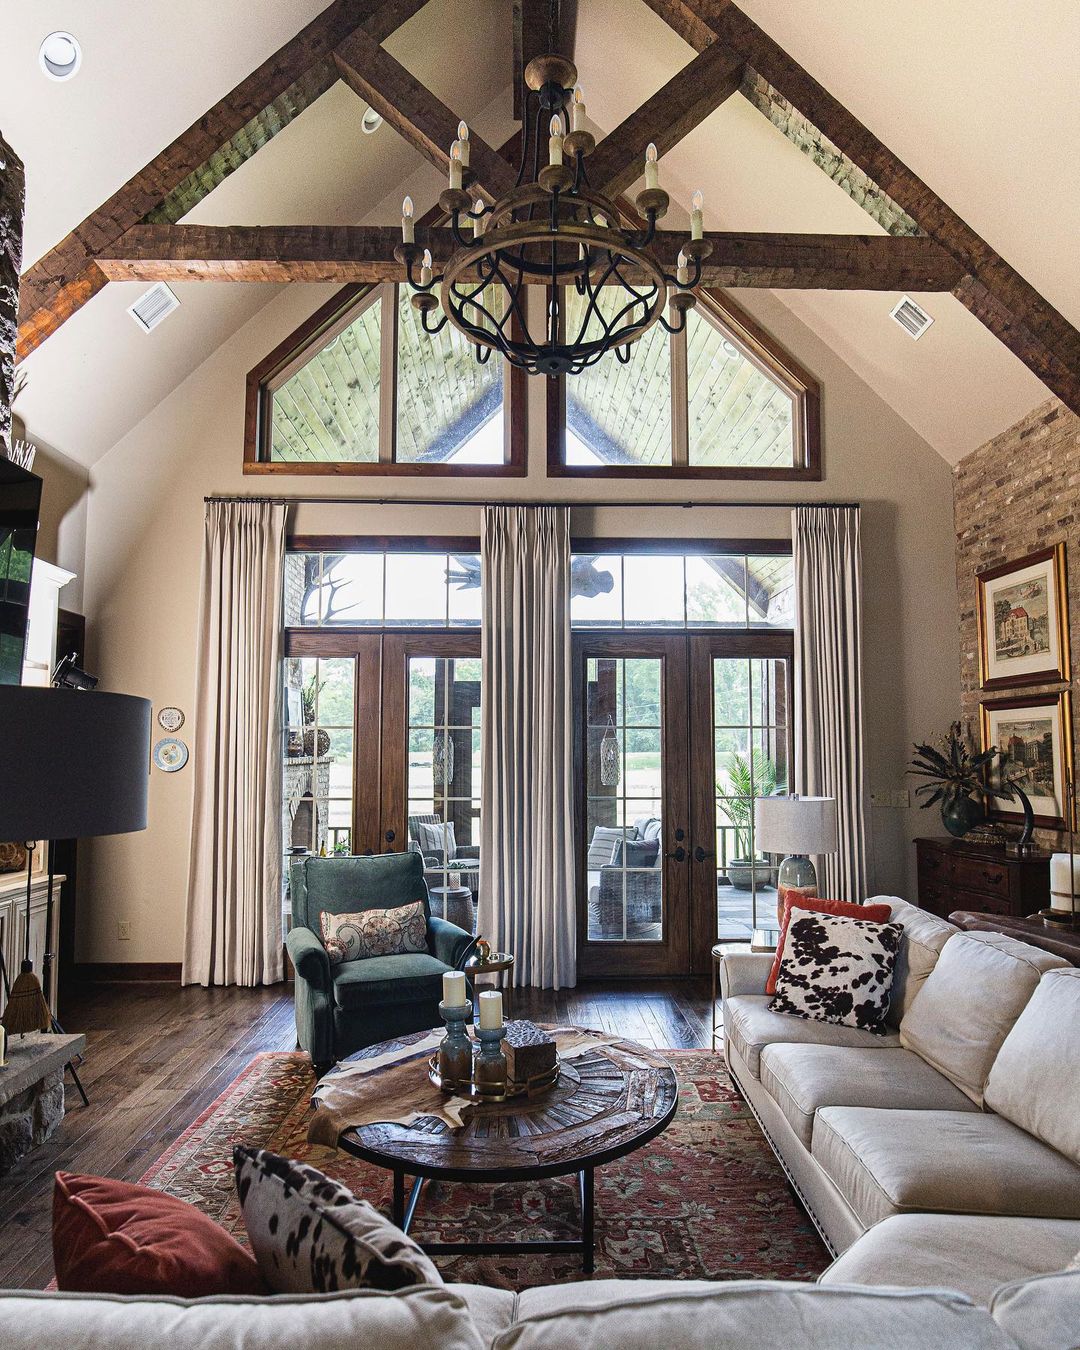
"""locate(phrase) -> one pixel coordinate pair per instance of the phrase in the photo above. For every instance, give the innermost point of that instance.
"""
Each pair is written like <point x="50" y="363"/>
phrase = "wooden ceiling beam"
<point x="174" y="181"/>
<point x="672" y="113"/>
<point x="993" y="291"/>
<point x="346" y="253"/>
<point x="415" y="113"/>
<point x="536" y="33"/>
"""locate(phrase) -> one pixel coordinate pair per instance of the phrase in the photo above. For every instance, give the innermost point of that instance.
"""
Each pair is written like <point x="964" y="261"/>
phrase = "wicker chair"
<point x="463" y="865"/>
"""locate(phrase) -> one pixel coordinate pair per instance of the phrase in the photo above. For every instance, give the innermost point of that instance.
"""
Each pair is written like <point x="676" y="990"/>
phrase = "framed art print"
<point x="1035" y="731"/>
<point x="1023" y="620"/>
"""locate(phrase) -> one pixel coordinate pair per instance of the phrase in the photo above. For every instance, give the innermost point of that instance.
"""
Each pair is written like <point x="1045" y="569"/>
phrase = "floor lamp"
<point x="77" y="764"/>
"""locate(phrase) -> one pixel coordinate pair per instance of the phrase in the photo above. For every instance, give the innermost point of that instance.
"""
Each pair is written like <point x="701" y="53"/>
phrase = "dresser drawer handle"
<point x="993" y="877"/>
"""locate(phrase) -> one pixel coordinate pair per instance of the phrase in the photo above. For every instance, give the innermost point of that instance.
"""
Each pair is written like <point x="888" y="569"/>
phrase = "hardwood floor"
<point x="158" y="1055"/>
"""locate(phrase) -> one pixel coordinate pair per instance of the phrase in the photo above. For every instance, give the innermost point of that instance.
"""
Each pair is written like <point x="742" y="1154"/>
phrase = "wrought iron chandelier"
<point x="554" y="230"/>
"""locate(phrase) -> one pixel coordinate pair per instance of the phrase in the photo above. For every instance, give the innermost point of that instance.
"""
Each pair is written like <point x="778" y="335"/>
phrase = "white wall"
<point x="143" y="550"/>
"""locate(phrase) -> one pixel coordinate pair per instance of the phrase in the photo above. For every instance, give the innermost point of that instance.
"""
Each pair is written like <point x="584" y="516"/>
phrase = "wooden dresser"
<point x="961" y="874"/>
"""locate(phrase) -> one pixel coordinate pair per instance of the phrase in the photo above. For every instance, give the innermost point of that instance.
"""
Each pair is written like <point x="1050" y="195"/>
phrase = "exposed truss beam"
<point x="345" y="253"/>
<point x="415" y="113"/>
<point x="672" y="113"/>
<point x="536" y="32"/>
<point x="221" y="140"/>
<point x="868" y="170"/>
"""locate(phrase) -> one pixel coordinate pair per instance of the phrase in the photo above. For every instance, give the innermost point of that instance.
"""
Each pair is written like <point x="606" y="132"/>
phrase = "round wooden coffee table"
<point x="609" y="1100"/>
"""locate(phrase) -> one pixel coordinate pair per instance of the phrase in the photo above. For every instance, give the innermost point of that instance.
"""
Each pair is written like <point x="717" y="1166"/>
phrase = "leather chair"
<point x="341" y="1009"/>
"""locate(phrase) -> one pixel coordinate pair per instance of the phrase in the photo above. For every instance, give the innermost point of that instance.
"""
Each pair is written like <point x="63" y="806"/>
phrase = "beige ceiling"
<point x="977" y="101"/>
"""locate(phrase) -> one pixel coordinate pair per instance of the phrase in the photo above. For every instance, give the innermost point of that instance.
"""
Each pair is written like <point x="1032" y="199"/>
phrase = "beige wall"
<point x="143" y="557"/>
<point x="61" y="537"/>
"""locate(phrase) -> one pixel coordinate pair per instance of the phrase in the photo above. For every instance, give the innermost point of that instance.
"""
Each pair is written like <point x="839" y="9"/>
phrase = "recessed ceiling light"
<point x="371" y="121"/>
<point x="60" y="56"/>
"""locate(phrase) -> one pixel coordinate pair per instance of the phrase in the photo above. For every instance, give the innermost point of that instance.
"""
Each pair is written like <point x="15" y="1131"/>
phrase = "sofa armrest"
<point x="449" y="943"/>
<point x="309" y="957"/>
<point x="744" y="972"/>
<point x="467" y="851"/>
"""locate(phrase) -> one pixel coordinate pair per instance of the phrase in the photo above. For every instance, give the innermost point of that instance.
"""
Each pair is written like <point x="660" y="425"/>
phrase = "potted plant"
<point x="745" y="784"/>
<point x="962" y="782"/>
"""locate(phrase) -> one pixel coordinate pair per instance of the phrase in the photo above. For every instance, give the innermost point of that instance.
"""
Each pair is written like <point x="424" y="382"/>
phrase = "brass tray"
<point x="539" y="1083"/>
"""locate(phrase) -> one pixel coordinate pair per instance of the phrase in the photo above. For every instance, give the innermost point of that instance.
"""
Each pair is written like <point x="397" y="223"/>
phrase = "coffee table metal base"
<point x="404" y="1211"/>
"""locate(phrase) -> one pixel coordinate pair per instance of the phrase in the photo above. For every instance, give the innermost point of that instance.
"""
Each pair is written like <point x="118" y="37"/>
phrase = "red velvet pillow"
<point x="841" y="908"/>
<point x="110" y="1237"/>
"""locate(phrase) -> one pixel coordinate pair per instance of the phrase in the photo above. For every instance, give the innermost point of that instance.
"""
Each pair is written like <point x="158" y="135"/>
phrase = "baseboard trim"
<point x="127" y="972"/>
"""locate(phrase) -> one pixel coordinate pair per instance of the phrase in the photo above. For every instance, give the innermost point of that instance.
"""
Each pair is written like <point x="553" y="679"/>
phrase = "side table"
<point x="456" y="903"/>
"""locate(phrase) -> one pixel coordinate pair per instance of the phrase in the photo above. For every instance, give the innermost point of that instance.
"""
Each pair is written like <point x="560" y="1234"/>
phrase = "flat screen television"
<point x="20" y="504"/>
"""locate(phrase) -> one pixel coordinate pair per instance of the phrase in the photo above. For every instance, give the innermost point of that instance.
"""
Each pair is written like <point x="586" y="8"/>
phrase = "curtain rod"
<point x="487" y="501"/>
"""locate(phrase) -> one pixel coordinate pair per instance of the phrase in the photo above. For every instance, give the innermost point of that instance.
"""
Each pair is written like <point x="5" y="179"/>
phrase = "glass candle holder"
<point x="456" y="1050"/>
<point x="489" y="1067"/>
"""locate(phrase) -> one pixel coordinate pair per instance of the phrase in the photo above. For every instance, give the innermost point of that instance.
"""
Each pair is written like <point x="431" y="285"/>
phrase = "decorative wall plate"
<point x="170" y="719"/>
<point x="170" y="754"/>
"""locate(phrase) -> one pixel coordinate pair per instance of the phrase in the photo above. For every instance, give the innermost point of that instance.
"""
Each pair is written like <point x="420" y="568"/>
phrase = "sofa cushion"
<point x="424" y="1318"/>
<point x="803" y="1078"/>
<point x="112" y="1237"/>
<point x="958" y="1162"/>
<point x="491" y="1309"/>
<point x="743" y="1315"/>
<point x="752" y="1024"/>
<point x="968" y="1005"/>
<point x="311" y="1235"/>
<point x="637" y="852"/>
<point x="969" y="1252"/>
<point x="1041" y="1313"/>
<point x="791" y="899"/>
<point x="924" y="937"/>
<point x="648" y="828"/>
<point x="1035" y="1080"/>
<point x="838" y="970"/>
<point x="383" y="980"/>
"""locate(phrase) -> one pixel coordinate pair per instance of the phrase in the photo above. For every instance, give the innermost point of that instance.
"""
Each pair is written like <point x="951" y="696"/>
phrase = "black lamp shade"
<point x="73" y="763"/>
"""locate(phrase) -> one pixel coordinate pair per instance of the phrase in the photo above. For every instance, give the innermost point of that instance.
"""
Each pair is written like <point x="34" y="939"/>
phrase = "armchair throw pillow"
<point x="437" y="841"/>
<point x="838" y="970"/>
<point x="794" y="901"/>
<point x="604" y="839"/>
<point x="311" y="1235"/>
<point x="638" y="853"/>
<point x="374" y="932"/>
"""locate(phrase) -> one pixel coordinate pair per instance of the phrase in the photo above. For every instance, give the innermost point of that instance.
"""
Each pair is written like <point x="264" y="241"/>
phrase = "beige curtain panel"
<point x="234" y="928"/>
<point x="527" y="855"/>
<point x="829" y="754"/>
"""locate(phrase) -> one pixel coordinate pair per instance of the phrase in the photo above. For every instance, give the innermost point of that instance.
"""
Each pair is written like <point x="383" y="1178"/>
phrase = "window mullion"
<point x="680" y="437"/>
<point x="388" y="335"/>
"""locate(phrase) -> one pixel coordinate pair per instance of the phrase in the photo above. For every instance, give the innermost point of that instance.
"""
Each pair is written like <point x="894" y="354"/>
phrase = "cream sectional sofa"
<point x="946" y="1152"/>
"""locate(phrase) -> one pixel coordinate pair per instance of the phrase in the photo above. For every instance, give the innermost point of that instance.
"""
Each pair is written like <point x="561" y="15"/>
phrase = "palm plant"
<point x="746" y="781"/>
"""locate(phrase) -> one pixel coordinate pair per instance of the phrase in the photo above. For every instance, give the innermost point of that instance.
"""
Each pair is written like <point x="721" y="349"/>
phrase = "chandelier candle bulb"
<point x="453" y="989"/>
<point x="407" y="231"/>
<point x="455" y="165"/>
<point x="682" y="271"/>
<point x="491" y="1009"/>
<point x="463" y="142"/>
<point x="697" y="223"/>
<point x="578" y="110"/>
<point x="555" y="143"/>
<point x="425" y="268"/>
<point x="652" y="168"/>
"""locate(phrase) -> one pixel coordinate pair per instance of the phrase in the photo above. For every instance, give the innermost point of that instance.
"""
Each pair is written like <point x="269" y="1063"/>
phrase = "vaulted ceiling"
<point x="980" y="106"/>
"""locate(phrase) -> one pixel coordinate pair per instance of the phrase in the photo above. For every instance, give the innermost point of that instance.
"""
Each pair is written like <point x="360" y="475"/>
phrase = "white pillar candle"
<point x="425" y="268"/>
<point x="682" y="271"/>
<point x="453" y="989"/>
<point x="491" y="1014"/>
<point x="463" y="141"/>
<point x="652" y="169"/>
<point x="578" y="110"/>
<point x="455" y="165"/>
<point x="407" y="236"/>
<point x="1065" y="881"/>
<point x="555" y="143"/>
<point x="697" y="223"/>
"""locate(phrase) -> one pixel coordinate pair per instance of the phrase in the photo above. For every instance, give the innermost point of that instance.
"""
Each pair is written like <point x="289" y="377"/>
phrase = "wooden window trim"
<point x="339" y="311"/>
<point x="769" y="357"/>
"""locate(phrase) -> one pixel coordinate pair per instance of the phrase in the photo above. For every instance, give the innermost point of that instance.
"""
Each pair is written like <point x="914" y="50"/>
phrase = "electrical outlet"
<point x="123" y="930"/>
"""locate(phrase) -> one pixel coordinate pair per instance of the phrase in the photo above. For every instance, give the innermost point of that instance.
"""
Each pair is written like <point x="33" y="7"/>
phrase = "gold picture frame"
<point x="1036" y="729"/>
<point x="1023" y="617"/>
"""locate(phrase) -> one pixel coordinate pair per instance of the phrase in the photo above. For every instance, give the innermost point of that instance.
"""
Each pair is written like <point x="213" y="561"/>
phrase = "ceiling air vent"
<point x="912" y="318"/>
<point x="154" y="305"/>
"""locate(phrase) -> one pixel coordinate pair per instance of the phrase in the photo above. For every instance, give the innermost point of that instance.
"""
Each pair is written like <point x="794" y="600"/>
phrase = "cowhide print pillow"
<point x="838" y="970"/>
<point x="311" y="1235"/>
<point x="374" y="932"/>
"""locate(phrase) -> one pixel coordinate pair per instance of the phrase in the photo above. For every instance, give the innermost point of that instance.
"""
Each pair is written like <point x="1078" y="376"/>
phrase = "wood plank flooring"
<point x="158" y="1055"/>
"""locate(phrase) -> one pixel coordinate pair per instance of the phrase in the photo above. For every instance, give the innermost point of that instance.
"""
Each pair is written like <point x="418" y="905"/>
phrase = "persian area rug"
<point x="704" y="1200"/>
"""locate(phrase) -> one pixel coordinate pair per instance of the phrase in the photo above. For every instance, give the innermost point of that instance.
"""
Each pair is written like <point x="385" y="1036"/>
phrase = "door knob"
<point x="680" y="835"/>
<point x="390" y="836"/>
<point x="700" y="854"/>
<point x="679" y="855"/>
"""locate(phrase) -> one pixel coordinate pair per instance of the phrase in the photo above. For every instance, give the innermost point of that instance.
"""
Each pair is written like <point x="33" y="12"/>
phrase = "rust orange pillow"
<point x="841" y="908"/>
<point x="112" y="1237"/>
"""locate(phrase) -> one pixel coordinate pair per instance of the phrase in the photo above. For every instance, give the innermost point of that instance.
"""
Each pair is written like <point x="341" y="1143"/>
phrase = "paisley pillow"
<point x="374" y="932"/>
<point x="311" y="1235"/>
<point x="838" y="970"/>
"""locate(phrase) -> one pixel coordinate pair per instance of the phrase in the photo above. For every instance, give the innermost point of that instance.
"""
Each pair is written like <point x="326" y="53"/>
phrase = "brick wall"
<point x="1015" y="494"/>
<point x="12" y="192"/>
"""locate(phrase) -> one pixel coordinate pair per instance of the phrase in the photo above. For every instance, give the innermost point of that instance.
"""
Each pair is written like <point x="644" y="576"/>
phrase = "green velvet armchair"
<point x="340" y="1009"/>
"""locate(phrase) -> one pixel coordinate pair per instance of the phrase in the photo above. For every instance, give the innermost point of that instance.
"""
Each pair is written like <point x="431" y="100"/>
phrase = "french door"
<point x="676" y="735"/>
